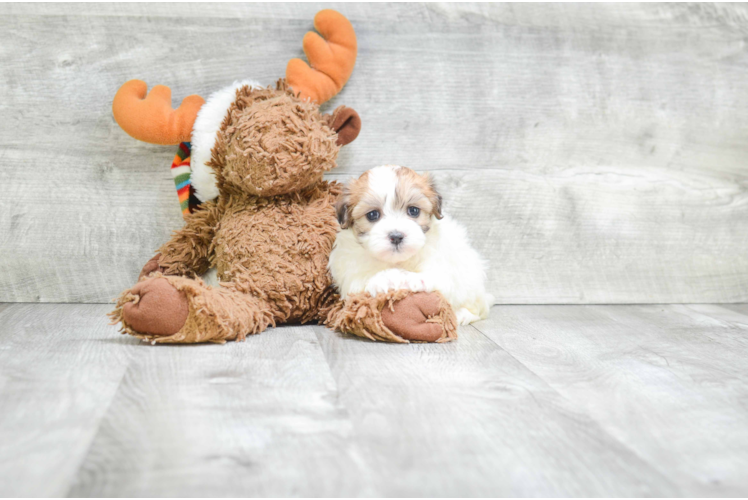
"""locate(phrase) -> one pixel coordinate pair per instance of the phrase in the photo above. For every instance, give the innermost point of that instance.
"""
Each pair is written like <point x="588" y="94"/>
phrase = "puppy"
<point x="394" y="236"/>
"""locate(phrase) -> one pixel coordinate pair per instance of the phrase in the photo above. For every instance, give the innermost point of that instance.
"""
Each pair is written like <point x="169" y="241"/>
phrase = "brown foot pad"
<point x="408" y="319"/>
<point x="156" y="308"/>
<point x="151" y="266"/>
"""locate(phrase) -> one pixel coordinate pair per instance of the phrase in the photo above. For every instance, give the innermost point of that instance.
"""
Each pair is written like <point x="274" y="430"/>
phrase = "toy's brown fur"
<point x="272" y="143"/>
<point x="364" y="315"/>
<point x="269" y="234"/>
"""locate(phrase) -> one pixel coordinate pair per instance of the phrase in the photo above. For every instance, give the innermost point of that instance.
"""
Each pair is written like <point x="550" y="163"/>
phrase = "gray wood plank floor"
<point x="537" y="400"/>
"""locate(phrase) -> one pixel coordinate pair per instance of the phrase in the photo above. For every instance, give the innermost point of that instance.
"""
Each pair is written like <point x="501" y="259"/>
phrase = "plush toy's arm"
<point x="190" y="249"/>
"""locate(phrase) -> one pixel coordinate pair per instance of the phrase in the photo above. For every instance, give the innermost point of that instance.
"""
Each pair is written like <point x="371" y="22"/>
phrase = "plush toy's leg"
<point x="397" y="316"/>
<point x="171" y="309"/>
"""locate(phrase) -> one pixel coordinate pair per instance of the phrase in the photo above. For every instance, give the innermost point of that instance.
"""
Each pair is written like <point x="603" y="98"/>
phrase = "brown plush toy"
<point x="267" y="220"/>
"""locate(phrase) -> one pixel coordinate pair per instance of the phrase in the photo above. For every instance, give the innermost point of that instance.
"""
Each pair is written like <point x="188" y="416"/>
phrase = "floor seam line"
<point x="599" y="424"/>
<point x="98" y="426"/>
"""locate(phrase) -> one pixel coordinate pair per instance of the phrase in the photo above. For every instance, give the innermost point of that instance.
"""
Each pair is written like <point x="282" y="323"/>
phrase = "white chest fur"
<point x="446" y="263"/>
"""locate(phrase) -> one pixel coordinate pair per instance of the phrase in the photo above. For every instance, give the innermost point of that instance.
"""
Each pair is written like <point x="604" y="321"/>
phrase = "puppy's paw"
<point x="465" y="317"/>
<point x="395" y="279"/>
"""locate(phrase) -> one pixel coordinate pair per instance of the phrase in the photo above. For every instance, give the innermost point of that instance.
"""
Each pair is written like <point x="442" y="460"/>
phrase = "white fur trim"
<point x="204" y="131"/>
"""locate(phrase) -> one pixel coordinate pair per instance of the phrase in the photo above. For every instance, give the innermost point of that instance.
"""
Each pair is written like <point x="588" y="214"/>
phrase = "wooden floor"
<point x="537" y="400"/>
<point x="595" y="153"/>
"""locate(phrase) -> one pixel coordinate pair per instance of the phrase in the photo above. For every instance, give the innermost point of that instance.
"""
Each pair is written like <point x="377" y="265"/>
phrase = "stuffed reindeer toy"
<point x="266" y="219"/>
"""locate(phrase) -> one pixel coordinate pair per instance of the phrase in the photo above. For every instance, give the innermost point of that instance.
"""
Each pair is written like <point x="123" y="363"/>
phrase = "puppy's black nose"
<point x="396" y="237"/>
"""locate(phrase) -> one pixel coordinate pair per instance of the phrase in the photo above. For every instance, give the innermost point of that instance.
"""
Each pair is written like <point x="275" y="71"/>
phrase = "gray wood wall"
<point x="597" y="153"/>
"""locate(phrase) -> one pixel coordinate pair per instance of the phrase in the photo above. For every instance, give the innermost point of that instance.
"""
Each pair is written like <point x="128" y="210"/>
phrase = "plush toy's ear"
<point x="343" y="208"/>
<point x="151" y="118"/>
<point x="332" y="58"/>
<point x="346" y="122"/>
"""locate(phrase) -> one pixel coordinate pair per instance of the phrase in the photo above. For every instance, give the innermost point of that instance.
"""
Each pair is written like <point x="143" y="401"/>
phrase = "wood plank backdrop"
<point x="597" y="153"/>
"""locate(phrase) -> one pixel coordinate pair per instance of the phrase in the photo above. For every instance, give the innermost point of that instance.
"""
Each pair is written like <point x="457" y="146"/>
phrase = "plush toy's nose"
<point x="396" y="237"/>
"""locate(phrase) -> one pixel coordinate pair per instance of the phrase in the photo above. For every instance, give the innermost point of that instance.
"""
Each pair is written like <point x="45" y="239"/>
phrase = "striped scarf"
<point x="181" y="172"/>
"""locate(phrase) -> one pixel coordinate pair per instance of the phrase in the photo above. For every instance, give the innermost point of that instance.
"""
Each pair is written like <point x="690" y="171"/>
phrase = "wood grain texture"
<point x="537" y="400"/>
<point x="739" y="308"/>
<point x="612" y="15"/>
<point x="60" y="367"/>
<point x="257" y="418"/>
<point x="466" y="419"/>
<point x="668" y="382"/>
<point x="595" y="152"/>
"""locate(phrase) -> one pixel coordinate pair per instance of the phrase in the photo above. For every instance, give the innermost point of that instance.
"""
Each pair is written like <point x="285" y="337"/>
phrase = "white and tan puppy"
<point x="394" y="236"/>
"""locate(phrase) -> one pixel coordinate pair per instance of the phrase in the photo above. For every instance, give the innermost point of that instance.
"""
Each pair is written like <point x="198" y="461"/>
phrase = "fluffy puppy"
<point x="394" y="236"/>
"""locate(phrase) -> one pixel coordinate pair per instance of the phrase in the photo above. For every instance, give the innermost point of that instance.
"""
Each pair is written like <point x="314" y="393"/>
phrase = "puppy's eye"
<point x="414" y="211"/>
<point x="373" y="216"/>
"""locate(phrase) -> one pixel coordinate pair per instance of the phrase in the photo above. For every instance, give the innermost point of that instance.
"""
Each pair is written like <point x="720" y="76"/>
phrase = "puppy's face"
<point x="390" y="210"/>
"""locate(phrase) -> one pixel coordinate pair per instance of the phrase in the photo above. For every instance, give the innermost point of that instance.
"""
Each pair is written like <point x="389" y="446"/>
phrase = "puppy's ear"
<point x="434" y="197"/>
<point x="343" y="208"/>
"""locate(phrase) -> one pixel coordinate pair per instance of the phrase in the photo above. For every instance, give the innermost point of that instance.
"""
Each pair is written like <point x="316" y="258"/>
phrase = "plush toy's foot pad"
<point x="396" y="316"/>
<point x="152" y="266"/>
<point x="155" y="308"/>
<point x="410" y="316"/>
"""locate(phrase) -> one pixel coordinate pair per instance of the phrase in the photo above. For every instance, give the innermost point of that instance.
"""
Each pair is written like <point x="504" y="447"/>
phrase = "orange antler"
<point x="152" y="119"/>
<point x="332" y="58"/>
